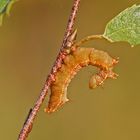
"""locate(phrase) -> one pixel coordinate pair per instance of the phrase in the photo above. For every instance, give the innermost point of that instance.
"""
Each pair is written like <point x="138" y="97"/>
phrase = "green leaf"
<point x="5" y="6"/>
<point x="125" y="26"/>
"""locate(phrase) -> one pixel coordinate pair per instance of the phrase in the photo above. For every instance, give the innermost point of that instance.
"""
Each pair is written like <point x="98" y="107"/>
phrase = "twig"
<point x="88" y="38"/>
<point x="27" y="127"/>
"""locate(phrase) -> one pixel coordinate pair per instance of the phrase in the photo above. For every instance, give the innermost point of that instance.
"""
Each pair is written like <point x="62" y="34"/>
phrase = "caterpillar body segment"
<point x="72" y="63"/>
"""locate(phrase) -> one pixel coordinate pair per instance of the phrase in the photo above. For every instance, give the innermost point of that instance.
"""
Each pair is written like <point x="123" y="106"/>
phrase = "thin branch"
<point x="27" y="127"/>
<point x="88" y="38"/>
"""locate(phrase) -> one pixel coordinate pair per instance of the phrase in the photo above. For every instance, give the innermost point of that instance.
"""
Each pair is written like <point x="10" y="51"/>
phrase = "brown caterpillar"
<point x="72" y="63"/>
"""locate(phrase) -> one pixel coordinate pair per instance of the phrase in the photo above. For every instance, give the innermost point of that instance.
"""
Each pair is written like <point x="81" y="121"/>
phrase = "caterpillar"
<point x="5" y="6"/>
<point x="79" y="57"/>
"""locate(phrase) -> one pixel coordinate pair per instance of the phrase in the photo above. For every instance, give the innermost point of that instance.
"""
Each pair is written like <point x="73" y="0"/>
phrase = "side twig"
<point x="88" y="38"/>
<point x="27" y="127"/>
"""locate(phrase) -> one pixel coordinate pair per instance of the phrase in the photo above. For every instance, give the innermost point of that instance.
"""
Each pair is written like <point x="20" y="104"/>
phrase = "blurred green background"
<point x="29" y="42"/>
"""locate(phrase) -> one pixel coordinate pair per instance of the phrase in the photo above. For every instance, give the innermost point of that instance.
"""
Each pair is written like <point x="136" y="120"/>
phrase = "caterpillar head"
<point x="99" y="78"/>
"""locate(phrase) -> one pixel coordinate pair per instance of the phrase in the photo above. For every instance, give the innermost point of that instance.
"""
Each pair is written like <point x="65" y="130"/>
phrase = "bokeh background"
<point x="29" y="42"/>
